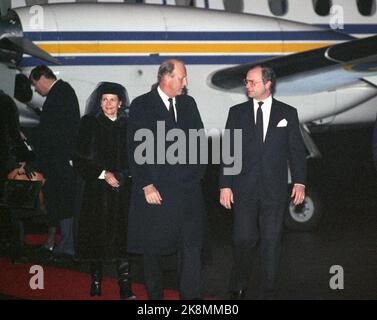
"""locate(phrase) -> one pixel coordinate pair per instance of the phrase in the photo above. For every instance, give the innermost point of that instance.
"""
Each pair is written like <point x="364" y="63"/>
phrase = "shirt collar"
<point x="164" y="97"/>
<point x="52" y="84"/>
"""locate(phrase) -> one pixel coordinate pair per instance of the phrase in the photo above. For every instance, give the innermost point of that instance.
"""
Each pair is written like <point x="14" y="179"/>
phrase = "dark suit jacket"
<point x="266" y="174"/>
<point x="374" y="145"/>
<point x="157" y="228"/>
<point x="54" y="141"/>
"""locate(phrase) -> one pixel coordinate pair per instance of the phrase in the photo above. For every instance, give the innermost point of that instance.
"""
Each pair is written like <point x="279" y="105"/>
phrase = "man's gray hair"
<point x="268" y="74"/>
<point x="167" y="67"/>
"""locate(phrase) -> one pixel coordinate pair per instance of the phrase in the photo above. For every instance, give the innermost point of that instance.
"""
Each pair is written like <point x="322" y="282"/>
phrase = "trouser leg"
<point x="271" y="226"/>
<point x="153" y="276"/>
<point x="190" y="273"/>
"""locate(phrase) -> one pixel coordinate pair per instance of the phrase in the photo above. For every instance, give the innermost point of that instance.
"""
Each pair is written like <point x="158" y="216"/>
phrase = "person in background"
<point x="15" y="155"/>
<point x="54" y="141"/>
<point x="374" y="142"/>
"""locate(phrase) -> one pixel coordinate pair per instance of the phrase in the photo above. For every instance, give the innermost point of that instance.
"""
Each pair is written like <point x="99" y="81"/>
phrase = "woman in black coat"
<point x="101" y="162"/>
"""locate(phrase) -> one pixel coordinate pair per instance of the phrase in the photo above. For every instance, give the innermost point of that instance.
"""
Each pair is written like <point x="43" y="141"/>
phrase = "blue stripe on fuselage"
<point x="185" y="36"/>
<point x="145" y="60"/>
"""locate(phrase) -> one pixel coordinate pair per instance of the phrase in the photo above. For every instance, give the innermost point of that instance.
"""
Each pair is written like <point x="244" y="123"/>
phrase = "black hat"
<point x="112" y="88"/>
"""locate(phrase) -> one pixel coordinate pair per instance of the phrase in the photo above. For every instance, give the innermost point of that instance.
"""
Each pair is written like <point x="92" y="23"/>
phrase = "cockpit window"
<point x="278" y="7"/>
<point x="234" y="5"/>
<point x="322" y="7"/>
<point x="187" y="3"/>
<point x="366" y="7"/>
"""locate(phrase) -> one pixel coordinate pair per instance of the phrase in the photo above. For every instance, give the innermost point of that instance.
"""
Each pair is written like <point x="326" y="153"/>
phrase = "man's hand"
<point x="226" y="197"/>
<point x="152" y="196"/>
<point x="298" y="194"/>
<point x="111" y="180"/>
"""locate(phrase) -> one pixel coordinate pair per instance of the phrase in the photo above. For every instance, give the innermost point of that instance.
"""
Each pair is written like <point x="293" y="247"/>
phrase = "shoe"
<point x="95" y="288"/>
<point x="47" y="247"/>
<point x="237" y="295"/>
<point x="126" y="293"/>
<point x="44" y="252"/>
<point x="96" y="276"/>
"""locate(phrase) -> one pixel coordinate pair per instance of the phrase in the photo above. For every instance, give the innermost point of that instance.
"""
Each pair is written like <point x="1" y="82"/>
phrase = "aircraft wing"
<point x="310" y="71"/>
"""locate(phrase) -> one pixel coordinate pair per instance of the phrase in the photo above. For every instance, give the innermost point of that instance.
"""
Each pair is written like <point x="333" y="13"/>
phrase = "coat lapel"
<point x="159" y="107"/>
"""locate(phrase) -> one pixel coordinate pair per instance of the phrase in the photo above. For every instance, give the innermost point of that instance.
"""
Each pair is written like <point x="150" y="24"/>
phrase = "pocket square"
<point x="282" y="123"/>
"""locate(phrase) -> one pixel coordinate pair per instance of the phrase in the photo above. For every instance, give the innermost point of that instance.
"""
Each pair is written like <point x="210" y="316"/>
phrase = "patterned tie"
<point x="171" y="109"/>
<point x="259" y="124"/>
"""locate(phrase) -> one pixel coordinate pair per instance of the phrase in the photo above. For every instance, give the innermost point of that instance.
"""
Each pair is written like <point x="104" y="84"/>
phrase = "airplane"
<point x="325" y="68"/>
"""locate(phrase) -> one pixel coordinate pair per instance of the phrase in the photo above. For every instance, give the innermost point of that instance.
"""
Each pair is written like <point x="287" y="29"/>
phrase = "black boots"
<point x="96" y="274"/>
<point x="125" y="290"/>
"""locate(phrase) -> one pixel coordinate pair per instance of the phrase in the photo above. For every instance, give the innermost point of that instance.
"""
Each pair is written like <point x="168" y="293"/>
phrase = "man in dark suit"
<point x="54" y="141"/>
<point x="375" y="145"/>
<point x="166" y="213"/>
<point x="271" y="141"/>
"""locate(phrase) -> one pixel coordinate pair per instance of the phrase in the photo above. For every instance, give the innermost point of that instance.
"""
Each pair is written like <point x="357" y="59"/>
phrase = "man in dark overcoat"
<point x="166" y="213"/>
<point x="54" y="141"/>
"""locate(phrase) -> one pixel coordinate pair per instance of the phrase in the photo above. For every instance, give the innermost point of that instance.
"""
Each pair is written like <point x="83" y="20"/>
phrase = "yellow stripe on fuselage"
<point x="113" y="48"/>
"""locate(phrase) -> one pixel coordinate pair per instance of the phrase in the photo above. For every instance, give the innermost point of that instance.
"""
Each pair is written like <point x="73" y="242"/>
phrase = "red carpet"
<point x="61" y="284"/>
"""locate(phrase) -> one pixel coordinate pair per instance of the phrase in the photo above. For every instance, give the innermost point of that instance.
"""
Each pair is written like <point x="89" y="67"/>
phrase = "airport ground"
<point x="346" y="182"/>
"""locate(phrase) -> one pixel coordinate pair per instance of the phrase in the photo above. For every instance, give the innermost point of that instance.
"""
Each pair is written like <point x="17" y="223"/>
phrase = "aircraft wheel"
<point x="304" y="217"/>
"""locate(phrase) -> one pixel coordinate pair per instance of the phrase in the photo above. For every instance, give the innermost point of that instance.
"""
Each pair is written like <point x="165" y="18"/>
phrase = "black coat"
<point x="9" y="133"/>
<point x="9" y="126"/>
<point x="374" y="146"/>
<point x="159" y="228"/>
<point x="102" y="224"/>
<point x="54" y="141"/>
<point x="266" y="173"/>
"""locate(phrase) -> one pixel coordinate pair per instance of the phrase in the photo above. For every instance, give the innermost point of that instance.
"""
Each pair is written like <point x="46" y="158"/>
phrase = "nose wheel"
<point x="304" y="217"/>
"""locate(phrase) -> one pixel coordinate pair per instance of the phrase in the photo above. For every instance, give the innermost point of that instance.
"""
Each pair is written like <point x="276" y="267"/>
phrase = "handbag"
<point x="21" y="194"/>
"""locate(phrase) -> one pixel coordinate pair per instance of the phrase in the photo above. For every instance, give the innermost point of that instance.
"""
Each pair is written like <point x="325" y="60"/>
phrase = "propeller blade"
<point x="4" y="6"/>
<point x="28" y="47"/>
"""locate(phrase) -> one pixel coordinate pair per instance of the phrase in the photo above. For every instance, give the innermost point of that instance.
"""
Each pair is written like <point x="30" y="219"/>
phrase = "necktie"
<point x="259" y="124"/>
<point x="171" y="109"/>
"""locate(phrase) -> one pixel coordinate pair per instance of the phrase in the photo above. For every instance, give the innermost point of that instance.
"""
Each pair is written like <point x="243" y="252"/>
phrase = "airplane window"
<point x="190" y="3"/>
<point x="233" y="5"/>
<point x="322" y="7"/>
<point x="278" y="7"/>
<point x="366" y="7"/>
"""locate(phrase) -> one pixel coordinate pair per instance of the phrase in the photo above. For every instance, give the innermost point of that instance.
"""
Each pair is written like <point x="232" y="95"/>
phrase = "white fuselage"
<point x="126" y="43"/>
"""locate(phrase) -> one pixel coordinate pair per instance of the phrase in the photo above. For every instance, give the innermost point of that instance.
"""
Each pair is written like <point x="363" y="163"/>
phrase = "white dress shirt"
<point x="165" y="99"/>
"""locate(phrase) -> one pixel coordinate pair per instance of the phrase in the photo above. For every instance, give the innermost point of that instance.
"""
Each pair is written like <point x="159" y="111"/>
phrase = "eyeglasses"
<point x="251" y="82"/>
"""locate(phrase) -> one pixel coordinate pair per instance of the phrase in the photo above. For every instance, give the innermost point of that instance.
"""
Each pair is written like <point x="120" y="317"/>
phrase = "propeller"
<point x="13" y="44"/>
<point x="4" y="6"/>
